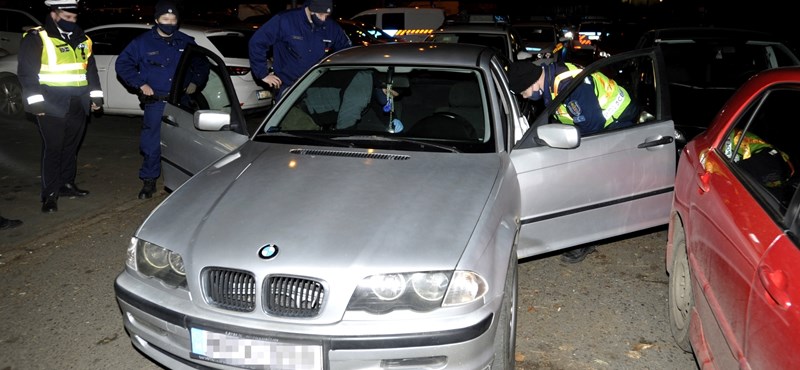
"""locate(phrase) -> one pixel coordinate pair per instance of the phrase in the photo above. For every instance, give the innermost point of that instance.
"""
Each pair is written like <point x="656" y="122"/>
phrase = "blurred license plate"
<point x="254" y="352"/>
<point x="263" y="94"/>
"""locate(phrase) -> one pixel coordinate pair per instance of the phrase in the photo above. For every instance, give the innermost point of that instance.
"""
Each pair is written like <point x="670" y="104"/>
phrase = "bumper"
<point x="164" y="335"/>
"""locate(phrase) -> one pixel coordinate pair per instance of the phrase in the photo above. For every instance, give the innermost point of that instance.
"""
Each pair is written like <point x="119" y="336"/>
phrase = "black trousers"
<point x="61" y="138"/>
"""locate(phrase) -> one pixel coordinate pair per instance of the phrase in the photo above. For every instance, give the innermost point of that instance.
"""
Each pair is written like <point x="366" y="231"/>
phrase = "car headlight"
<point x="155" y="261"/>
<point x="419" y="291"/>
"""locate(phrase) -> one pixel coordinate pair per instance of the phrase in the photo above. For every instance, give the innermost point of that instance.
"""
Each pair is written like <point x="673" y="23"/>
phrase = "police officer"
<point x="60" y="88"/>
<point x="598" y="103"/>
<point x="298" y="39"/>
<point x="147" y="65"/>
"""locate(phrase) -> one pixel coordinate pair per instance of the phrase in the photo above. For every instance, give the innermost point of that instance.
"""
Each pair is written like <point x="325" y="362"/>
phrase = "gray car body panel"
<point x="340" y="214"/>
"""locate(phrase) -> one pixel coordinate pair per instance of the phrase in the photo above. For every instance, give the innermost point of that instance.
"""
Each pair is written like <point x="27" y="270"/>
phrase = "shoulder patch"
<point x="574" y="108"/>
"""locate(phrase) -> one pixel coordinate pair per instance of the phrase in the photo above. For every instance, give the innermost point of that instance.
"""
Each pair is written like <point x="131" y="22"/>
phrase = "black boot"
<point x="576" y="255"/>
<point x="6" y="223"/>
<point x="70" y="190"/>
<point x="50" y="203"/>
<point x="148" y="189"/>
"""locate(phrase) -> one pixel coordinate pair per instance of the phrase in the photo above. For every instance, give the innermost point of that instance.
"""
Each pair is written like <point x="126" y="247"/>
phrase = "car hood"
<point x="327" y="208"/>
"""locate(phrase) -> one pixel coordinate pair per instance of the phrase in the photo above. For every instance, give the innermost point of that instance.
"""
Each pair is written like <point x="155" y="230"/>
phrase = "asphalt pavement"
<point x="108" y="163"/>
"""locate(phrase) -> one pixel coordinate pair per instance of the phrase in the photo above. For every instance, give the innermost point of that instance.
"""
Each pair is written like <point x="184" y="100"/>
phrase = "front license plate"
<point x="254" y="352"/>
<point x="263" y="94"/>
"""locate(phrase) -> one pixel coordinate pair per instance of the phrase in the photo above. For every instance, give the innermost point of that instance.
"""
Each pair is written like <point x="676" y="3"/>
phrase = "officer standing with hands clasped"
<point x="147" y="65"/>
<point x="298" y="39"/>
<point x="60" y="88"/>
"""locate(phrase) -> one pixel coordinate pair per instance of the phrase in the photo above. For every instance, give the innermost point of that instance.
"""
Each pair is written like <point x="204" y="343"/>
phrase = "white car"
<point x="13" y="23"/>
<point x="109" y="40"/>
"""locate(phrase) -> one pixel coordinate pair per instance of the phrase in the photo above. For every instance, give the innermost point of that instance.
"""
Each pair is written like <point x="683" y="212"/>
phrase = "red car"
<point x="732" y="252"/>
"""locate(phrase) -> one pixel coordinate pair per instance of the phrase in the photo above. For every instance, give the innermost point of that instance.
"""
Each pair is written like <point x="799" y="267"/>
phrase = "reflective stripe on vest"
<point x="61" y="64"/>
<point x="612" y="98"/>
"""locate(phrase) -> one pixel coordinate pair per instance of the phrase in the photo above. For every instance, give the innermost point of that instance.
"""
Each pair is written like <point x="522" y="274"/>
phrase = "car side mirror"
<point x="558" y="135"/>
<point x="211" y="120"/>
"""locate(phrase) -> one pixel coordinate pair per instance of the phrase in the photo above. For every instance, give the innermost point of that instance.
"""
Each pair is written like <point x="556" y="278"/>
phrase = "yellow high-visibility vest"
<point x="61" y="64"/>
<point x="613" y="99"/>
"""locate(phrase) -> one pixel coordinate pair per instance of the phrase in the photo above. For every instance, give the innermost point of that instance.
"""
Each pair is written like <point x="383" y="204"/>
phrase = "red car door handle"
<point x="775" y="284"/>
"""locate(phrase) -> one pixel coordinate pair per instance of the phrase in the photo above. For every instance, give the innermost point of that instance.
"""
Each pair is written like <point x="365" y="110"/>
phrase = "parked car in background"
<point x="13" y="24"/>
<point x="109" y="40"/>
<point x="732" y="252"/>
<point x="412" y="24"/>
<point x="361" y="33"/>
<point x="706" y="65"/>
<point x="487" y="30"/>
<point x="10" y="88"/>
<point x="375" y="217"/>
<point x="584" y="48"/>
<point x="538" y="38"/>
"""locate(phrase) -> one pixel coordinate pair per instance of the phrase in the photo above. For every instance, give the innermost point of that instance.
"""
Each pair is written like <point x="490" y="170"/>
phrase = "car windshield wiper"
<point x="308" y="136"/>
<point x="400" y="140"/>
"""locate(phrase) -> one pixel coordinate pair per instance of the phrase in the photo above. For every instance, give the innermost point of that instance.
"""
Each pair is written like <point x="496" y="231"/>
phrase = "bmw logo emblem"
<point x="268" y="251"/>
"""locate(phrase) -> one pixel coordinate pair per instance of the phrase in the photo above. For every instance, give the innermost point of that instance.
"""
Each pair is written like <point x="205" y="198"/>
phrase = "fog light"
<point x="435" y="362"/>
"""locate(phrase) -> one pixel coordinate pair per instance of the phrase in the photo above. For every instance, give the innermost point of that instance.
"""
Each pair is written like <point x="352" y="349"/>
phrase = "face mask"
<point x="317" y="22"/>
<point x="65" y="25"/>
<point x="168" y="29"/>
<point x="536" y="95"/>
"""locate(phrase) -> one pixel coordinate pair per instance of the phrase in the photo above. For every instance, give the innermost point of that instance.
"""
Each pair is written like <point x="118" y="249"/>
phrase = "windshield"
<point x="388" y="107"/>
<point x="719" y="64"/>
<point x="232" y="44"/>
<point x="537" y="33"/>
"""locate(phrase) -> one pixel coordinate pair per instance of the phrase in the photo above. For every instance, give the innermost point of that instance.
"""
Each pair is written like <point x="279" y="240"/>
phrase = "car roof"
<point x="534" y="24"/>
<point x="189" y="29"/>
<point x="709" y="33"/>
<point x="412" y="53"/>
<point x="500" y="29"/>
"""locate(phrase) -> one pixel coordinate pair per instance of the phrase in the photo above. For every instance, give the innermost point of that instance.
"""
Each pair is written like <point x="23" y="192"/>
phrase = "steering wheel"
<point x="444" y="125"/>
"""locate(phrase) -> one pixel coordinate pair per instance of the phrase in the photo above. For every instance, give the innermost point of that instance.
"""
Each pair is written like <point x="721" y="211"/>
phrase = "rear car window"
<point x="232" y="44"/>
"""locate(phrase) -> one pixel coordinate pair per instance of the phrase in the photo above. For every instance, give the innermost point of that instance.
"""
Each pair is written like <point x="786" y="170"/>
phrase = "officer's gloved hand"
<point x="96" y="97"/>
<point x="36" y="108"/>
<point x="98" y="102"/>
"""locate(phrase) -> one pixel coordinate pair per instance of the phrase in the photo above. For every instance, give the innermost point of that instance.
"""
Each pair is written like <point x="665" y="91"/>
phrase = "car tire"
<point x="506" y="334"/>
<point x="681" y="299"/>
<point x="11" y="97"/>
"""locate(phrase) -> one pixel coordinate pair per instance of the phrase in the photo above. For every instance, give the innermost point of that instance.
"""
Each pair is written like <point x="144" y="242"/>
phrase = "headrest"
<point x="465" y="94"/>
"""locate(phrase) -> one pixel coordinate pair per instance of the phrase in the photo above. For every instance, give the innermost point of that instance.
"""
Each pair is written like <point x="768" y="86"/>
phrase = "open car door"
<point x="614" y="182"/>
<point x="199" y="127"/>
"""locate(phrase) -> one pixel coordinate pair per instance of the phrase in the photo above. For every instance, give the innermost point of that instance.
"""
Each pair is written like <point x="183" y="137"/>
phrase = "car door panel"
<point x="118" y="100"/>
<point x="773" y="313"/>
<point x="724" y="259"/>
<point x="185" y="149"/>
<point x="607" y="186"/>
<point x="613" y="183"/>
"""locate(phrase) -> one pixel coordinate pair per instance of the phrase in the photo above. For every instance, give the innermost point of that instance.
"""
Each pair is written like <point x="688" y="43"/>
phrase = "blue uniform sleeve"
<point x="128" y="65"/>
<point x="260" y="45"/>
<point x="583" y="106"/>
<point x="340" y="39"/>
<point x="29" y="61"/>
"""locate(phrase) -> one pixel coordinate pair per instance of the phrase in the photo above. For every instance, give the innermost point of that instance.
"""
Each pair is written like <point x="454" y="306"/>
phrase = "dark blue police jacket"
<point x="152" y="59"/>
<point x="296" y="45"/>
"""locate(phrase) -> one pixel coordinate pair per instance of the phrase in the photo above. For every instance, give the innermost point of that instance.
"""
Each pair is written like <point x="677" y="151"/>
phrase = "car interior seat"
<point x="465" y="100"/>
